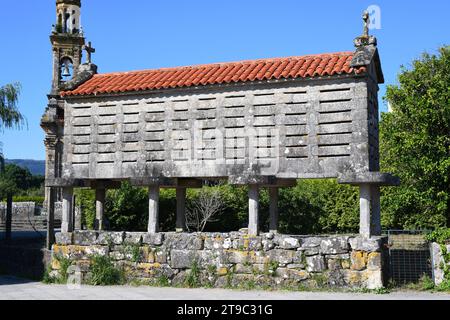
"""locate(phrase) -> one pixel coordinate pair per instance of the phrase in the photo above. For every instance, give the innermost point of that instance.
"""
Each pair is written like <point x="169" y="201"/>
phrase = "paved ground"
<point x="17" y="289"/>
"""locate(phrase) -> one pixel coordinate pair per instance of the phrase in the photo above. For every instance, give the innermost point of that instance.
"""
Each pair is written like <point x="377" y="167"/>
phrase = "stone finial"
<point x="365" y="39"/>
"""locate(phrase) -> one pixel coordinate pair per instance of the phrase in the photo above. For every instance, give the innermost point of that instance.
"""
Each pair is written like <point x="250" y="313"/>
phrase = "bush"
<point x="104" y="272"/>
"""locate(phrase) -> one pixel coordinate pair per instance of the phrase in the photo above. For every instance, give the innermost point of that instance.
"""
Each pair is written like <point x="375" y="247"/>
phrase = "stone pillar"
<point x="153" y="209"/>
<point x="375" y="211"/>
<point x="67" y="206"/>
<point x="9" y="217"/>
<point x="273" y="209"/>
<point x="100" y="194"/>
<point x="181" y="210"/>
<point x="50" y="204"/>
<point x="364" y="210"/>
<point x="253" y="210"/>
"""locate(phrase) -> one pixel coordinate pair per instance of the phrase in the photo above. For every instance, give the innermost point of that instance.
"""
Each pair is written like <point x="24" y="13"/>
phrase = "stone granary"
<point x="262" y="123"/>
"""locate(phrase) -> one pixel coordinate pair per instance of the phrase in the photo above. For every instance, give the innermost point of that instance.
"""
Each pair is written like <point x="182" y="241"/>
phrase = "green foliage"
<point x="63" y="275"/>
<point x="85" y="199"/>
<point x="126" y="208"/>
<point x="441" y="236"/>
<point x="104" y="272"/>
<point x="39" y="200"/>
<point x="12" y="179"/>
<point x="415" y="144"/>
<point x="319" y="206"/>
<point x="133" y="250"/>
<point x="270" y="268"/>
<point x="10" y="117"/>
<point x="193" y="276"/>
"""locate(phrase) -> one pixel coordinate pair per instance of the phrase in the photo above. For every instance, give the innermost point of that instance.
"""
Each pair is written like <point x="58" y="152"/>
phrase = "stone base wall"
<point x="230" y="259"/>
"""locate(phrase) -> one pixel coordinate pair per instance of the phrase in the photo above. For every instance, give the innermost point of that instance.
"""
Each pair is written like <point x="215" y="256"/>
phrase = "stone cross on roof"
<point x="89" y="50"/>
<point x="366" y="19"/>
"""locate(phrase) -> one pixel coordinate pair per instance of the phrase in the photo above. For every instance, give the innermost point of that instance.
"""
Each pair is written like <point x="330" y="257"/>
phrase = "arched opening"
<point x="66" y="71"/>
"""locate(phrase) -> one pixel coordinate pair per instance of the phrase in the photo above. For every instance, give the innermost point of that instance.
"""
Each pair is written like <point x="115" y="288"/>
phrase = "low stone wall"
<point x="231" y="259"/>
<point x="19" y="209"/>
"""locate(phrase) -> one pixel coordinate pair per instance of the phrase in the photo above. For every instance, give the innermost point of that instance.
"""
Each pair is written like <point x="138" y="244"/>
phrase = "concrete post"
<point x="364" y="210"/>
<point x="100" y="194"/>
<point x="66" y="224"/>
<point x="273" y="209"/>
<point x="253" y="210"/>
<point x="376" y="211"/>
<point x="181" y="210"/>
<point x="153" y="209"/>
<point x="50" y="217"/>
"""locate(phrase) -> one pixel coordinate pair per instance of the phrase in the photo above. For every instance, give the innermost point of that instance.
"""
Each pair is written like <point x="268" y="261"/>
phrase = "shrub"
<point x="104" y="272"/>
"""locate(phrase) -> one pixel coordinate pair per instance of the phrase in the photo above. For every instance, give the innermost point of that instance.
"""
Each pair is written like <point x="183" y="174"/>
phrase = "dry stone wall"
<point x="230" y="259"/>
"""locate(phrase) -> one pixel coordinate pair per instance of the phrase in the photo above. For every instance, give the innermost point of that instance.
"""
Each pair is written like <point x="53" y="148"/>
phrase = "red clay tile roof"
<point x="253" y="70"/>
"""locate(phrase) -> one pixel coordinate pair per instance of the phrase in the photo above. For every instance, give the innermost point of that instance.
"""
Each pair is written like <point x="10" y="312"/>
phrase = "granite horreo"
<point x="262" y="123"/>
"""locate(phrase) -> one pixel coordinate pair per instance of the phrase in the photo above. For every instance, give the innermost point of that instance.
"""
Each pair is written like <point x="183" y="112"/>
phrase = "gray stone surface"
<point x="366" y="244"/>
<point x="153" y="239"/>
<point x="134" y="237"/>
<point x="315" y="264"/>
<point x="64" y="238"/>
<point x="84" y="238"/>
<point x="182" y="241"/>
<point x="113" y="238"/>
<point x="334" y="245"/>
<point x="183" y="259"/>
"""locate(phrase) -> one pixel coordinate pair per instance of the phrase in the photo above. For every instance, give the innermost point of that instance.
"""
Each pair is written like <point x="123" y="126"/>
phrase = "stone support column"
<point x="181" y="210"/>
<point x="364" y="210"/>
<point x="67" y="207"/>
<point x="273" y="209"/>
<point x="253" y="210"/>
<point x="153" y="209"/>
<point x="100" y="194"/>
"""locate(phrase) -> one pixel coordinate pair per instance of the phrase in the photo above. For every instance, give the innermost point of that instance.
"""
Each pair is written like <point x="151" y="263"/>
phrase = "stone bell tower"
<point x="67" y="42"/>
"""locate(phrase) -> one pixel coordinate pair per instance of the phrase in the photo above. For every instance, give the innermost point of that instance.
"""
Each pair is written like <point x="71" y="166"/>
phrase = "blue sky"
<point x="143" y="34"/>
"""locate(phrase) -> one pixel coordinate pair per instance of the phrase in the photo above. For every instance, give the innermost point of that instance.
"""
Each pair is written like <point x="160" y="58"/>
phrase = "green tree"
<point x="12" y="180"/>
<point x="415" y="144"/>
<point x="10" y="117"/>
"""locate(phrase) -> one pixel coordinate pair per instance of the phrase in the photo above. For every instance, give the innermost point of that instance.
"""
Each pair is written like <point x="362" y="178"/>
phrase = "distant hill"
<point x="36" y="167"/>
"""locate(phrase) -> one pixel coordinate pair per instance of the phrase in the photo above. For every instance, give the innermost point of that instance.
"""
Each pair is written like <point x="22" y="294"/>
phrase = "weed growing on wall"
<point x="104" y="272"/>
<point x="193" y="276"/>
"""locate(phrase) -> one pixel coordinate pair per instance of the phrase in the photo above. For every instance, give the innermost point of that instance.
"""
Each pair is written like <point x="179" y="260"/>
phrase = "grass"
<point x="193" y="276"/>
<point x="63" y="275"/>
<point x="105" y="273"/>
